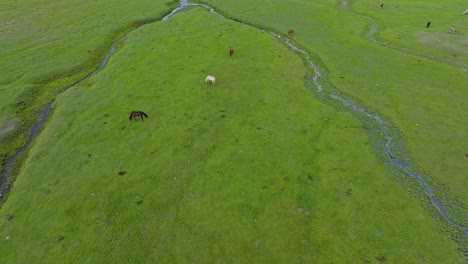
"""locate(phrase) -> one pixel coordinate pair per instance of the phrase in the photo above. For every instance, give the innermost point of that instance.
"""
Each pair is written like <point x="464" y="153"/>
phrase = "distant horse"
<point x="135" y="114"/>
<point x="210" y="79"/>
<point x="290" y="32"/>
<point x="428" y="24"/>
<point x="231" y="51"/>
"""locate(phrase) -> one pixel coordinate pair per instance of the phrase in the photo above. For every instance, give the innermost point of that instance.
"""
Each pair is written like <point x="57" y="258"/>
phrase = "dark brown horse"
<point x="290" y="32"/>
<point x="135" y="114"/>
<point x="231" y="51"/>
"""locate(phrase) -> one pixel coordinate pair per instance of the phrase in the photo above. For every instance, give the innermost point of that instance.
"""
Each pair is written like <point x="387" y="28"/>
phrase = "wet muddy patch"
<point x="9" y="127"/>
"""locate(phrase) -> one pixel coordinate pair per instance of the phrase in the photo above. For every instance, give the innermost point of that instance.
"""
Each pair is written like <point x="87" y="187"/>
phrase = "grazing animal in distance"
<point x="290" y="32"/>
<point x="381" y="5"/>
<point x="428" y="24"/>
<point x="231" y="51"/>
<point x="210" y="79"/>
<point x="136" y="114"/>
<point x="452" y="30"/>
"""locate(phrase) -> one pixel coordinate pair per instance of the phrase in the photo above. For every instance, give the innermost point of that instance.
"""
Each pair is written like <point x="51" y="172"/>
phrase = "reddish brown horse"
<point x="231" y="51"/>
<point x="135" y="114"/>
<point x="290" y="32"/>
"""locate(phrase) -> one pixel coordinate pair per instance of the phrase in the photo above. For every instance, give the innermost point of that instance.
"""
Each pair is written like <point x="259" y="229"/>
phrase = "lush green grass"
<point x="252" y="170"/>
<point x="404" y="23"/>
<point x="59" y="41"/>
<point x="425" y="99"/>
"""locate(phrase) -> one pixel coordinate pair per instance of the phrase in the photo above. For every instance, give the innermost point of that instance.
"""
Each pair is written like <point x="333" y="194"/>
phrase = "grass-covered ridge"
<point x="254" y="169"/>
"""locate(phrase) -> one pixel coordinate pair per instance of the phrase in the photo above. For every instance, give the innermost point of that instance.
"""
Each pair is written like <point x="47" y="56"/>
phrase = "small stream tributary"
<point x="320" y="84"/>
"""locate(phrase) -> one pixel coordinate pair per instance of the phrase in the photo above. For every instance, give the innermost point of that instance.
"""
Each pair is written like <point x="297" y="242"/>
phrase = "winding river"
<point x="317" y="82"/>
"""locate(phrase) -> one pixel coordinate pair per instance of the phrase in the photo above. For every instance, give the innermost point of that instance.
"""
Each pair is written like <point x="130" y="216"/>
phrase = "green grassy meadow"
<point x="425" y="99"/>
<point x="48" y="44"/>
<point x="254" y="169"/>
<point x="404" y="23"/>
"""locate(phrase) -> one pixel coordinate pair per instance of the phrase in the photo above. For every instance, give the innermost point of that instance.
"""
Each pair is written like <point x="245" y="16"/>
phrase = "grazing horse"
<point x="428" y="24"/>
<point x="231" y="51"/>
<point x="135" y="114"/>
<point x="210" y="79"/>
<point x="290" y="32"/>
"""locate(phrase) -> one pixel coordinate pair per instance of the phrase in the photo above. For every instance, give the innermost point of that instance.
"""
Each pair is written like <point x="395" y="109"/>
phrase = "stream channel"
<point x="317" y="81"/>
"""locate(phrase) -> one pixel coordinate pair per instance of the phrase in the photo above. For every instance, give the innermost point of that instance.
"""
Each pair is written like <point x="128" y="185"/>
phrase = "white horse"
<point x="210" y="79"/>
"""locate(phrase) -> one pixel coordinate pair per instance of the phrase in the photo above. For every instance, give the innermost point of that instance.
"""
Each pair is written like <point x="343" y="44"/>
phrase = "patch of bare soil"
<point x="9" y="126"/>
